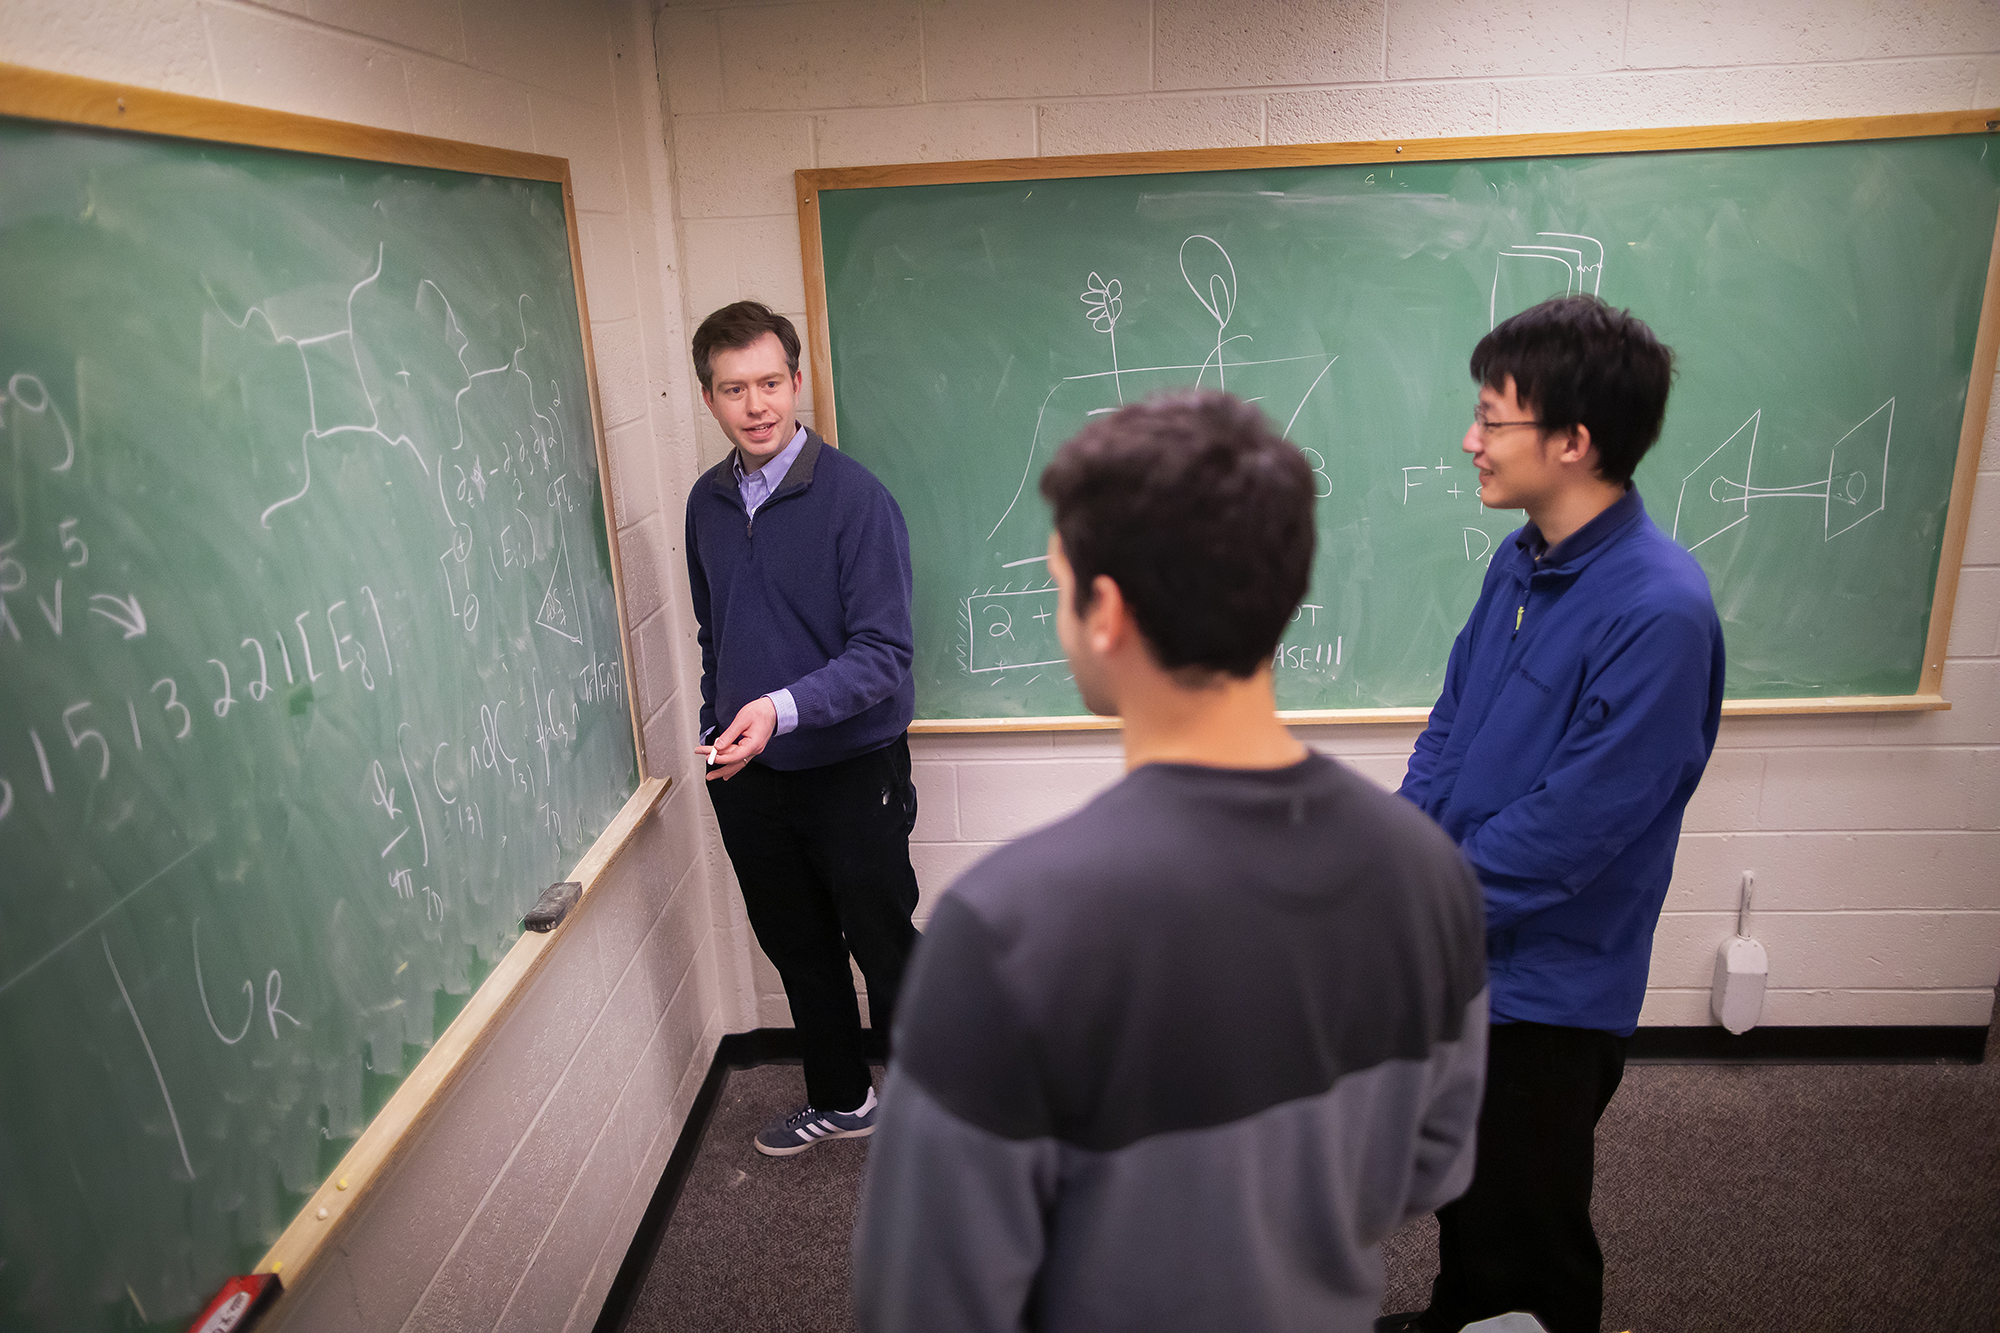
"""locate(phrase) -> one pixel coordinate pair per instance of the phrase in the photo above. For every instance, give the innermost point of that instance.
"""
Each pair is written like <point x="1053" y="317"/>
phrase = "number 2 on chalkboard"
<point x="261" y="686"/>
<point x="222" y="705"/>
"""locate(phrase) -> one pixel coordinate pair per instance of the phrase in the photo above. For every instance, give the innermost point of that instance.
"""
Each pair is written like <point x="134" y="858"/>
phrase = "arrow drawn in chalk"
<point x="133" y="622"/>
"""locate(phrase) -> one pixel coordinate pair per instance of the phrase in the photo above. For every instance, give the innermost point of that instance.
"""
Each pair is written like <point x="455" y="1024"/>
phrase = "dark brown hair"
<point x="1201" y="514"/>
<point x="739" y="325"/>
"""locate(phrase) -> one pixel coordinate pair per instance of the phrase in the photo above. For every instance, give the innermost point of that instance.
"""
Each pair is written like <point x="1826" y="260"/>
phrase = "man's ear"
<point x="1109" y="619"/>
<point x="1577" y="447"/>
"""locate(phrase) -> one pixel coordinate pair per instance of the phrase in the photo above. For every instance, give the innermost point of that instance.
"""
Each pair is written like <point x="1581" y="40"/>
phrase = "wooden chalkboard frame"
<point x="33" y="94"/>
<point x="810" y="182"/>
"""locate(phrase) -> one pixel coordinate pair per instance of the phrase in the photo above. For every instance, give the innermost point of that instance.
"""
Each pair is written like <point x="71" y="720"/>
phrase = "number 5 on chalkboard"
<point x="77" y="738"/>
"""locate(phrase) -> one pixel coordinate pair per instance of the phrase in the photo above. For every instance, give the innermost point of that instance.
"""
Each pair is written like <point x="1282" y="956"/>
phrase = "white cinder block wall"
<point x="1875" y="838"/>
<point x="515" y="1205"/>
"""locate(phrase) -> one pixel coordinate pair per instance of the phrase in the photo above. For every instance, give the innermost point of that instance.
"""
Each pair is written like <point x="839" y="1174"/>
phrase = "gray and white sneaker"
<point x="806" y="1126"/>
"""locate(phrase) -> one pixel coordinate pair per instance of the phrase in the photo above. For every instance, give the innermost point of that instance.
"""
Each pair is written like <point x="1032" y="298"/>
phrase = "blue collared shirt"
<point x="755" y="488"/>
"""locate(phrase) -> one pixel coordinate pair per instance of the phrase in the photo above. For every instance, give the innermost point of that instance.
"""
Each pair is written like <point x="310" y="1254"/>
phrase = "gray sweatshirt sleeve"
<point x="950" y="1234"/>
<point x="1450" y="1127"/>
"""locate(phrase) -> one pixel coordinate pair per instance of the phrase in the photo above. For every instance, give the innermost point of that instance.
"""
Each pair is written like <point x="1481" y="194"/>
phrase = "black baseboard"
<point x="1809" y="1046"/>
<point x="1649" y="1045"/>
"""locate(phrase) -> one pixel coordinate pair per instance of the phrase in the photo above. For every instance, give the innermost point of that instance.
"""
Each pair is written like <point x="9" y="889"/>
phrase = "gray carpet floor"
<point x="1729" y="1198"/>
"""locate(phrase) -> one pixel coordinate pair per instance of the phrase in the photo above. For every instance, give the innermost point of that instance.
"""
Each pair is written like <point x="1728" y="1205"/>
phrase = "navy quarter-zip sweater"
<point x="1579" y="709"/>
<point x="812" y="595"/>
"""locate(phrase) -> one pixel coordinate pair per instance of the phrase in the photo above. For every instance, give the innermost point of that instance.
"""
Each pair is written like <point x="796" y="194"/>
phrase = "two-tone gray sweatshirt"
<point x="1179" y="1061"/>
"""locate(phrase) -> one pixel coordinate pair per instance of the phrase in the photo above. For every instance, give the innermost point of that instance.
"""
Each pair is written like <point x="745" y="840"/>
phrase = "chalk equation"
<point x="499" y="485"/>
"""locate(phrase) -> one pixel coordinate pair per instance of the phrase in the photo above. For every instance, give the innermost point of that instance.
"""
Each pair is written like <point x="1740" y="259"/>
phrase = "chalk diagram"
<point x="1521" y="273"/>
<point x="558" y="613"/>
<point x="1716" y="496"/>
<point x="325" y="350"/>
<point x="340" y="401"/>
<point x="1011" y="627"/>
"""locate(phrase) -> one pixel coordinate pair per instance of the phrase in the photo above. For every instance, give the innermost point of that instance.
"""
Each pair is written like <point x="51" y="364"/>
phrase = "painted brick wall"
<point x="515" y="1206"/>
<point x="1876" y="839"/>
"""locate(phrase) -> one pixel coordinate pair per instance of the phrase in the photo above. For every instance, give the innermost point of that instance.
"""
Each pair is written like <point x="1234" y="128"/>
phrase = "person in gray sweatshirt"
<point x="1182" y="1059"/>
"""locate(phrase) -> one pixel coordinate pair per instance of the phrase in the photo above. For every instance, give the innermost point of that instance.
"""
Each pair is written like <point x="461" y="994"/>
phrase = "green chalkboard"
<point x="1824" y="300"/>
<point x="311" y="674"/>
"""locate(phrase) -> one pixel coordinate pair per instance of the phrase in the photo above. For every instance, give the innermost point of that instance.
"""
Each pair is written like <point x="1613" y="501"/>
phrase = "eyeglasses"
<point x="1483" y="427"/>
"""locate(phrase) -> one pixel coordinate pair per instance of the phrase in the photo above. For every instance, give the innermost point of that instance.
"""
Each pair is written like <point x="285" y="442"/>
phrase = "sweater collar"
<point x="800" y="474"/>
<point x="775" y="468"/>
<point x="722" y="477"/>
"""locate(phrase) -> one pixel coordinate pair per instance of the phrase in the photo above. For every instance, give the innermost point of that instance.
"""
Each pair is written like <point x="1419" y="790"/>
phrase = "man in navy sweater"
<point x="1579" y="708"/>
<point x="799" y="568"/>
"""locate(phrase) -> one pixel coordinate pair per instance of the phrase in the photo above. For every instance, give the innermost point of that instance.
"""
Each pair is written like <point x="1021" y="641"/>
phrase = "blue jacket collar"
<point x="1570" y="555"/>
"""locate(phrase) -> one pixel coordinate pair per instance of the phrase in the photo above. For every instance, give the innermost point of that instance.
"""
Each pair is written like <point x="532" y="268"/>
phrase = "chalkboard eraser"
<point x="239" y="1302"/>
<point x="548" y="913"/>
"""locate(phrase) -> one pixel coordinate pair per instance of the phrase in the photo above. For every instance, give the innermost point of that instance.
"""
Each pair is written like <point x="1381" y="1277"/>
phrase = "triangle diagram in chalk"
<point x="559" y="613"/>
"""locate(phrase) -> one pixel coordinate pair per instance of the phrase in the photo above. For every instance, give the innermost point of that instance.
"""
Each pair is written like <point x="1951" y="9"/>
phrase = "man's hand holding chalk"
<point x="745" y="738"/>
<point x="712" y="755"/>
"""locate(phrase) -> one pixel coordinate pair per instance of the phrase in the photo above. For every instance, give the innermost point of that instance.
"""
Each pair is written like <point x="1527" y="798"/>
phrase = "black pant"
<point x="1520" y="1238"/>
<point x="823" y="855"/>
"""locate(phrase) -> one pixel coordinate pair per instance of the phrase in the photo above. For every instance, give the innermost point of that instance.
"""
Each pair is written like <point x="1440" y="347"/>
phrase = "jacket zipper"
<point x="750" y="519"/>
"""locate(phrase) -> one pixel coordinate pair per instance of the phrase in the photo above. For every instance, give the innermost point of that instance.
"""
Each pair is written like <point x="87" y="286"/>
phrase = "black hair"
<point x="1201" y="514"/>
<point x="1576" y="361"/>
<point x="739" y="325"/>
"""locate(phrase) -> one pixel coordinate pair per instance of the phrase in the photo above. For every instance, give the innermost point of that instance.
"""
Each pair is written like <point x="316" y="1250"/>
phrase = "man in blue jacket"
<point x="799" y="569"/>
<point x="1579" y="709"/>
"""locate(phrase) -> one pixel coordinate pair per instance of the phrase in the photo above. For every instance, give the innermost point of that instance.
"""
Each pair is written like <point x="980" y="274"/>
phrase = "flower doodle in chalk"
<point x="1216" y="292"/>
<point x="1102" y="307"/>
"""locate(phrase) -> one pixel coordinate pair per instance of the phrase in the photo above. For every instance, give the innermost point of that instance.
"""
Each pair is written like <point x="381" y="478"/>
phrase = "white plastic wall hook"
<point x="1736" y="997"/>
